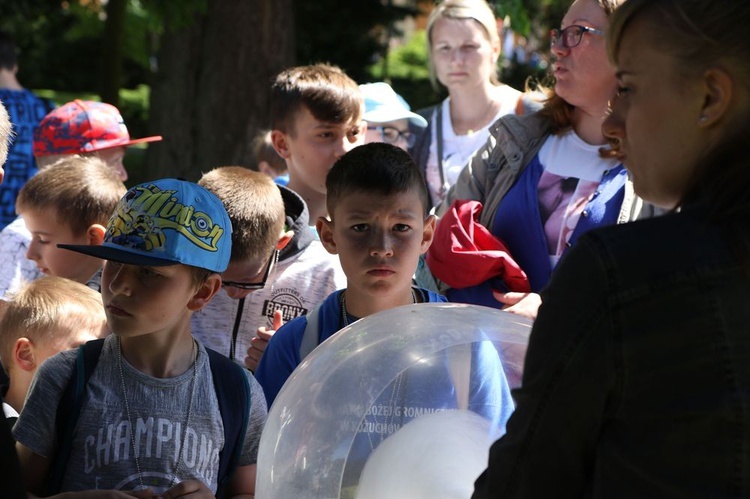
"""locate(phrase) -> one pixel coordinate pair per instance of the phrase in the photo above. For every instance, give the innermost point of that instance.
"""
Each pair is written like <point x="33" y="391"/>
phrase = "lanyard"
<point x="236" y="328"/>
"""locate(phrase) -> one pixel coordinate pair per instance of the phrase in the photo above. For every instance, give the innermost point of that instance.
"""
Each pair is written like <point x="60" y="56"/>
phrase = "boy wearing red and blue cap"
<point x="150" y="415"/>
<point x="84" y="128"/>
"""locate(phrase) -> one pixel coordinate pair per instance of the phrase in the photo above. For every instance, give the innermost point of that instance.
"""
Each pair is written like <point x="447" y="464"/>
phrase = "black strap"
<point x="69" y="409"/>
<point x="439" y="137"/>
<point x="236" y="328"/>
<point x="233" y="396"/>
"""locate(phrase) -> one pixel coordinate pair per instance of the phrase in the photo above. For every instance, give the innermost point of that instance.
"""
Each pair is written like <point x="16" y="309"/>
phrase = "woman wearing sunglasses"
<point x="546" y="178"/>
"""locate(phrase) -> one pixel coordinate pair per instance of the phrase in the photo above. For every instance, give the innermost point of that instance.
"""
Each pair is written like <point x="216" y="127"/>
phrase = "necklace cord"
<point x="194" y="355"/>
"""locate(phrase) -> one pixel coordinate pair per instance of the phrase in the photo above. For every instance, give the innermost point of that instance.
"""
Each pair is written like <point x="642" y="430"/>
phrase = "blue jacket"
<point x="637" y="374"/>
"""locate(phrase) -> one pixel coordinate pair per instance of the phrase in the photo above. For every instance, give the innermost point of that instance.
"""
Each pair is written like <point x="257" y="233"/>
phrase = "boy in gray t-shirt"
<point x="150" y="420"/>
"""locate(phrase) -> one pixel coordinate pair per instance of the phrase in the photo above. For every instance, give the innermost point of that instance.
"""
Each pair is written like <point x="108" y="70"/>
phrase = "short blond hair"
<point x="255" y="207"/>
<point x="47" y="310"/>
<point x="81" y="191"/>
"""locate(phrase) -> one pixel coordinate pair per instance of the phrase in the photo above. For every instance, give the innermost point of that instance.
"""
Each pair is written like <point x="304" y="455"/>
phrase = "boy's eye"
<point x="401" y="228"/>
<point x="148" y="272"/>
<point x="359" y="227"/>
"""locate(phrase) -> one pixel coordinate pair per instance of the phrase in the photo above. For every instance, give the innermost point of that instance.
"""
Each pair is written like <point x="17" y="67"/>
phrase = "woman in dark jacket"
<point x="637" y="380"/>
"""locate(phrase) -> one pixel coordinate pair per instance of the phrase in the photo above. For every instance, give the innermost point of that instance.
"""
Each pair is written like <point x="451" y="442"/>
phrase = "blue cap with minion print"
<point x="166" y="222"/>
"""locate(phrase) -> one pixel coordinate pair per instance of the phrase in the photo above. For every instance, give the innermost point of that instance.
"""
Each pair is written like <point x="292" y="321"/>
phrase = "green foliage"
<point x="169" y="14"/>
<point x="408" y="61"/>
<point x="349" y="34"/>
<point x="518" y="13"/>
<point x="406" y="69"/>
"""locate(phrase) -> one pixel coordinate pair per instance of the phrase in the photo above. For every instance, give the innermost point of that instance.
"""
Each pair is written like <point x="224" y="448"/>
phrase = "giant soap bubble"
<point x="388" y="377"/>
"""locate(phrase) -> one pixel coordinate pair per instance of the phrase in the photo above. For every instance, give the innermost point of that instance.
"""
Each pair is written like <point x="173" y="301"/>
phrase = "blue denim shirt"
<point x="637" y="376"/>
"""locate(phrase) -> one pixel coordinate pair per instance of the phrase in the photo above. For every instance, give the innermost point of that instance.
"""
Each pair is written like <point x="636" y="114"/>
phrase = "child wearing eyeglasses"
<point x="277" y="270"/>
<point x="388" y="116"/>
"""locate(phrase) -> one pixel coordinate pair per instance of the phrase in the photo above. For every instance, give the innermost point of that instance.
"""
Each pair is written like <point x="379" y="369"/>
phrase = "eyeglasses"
<point x="255" y="286"/>
<point x="571" y="36"/>
<point x="392" y="135"/>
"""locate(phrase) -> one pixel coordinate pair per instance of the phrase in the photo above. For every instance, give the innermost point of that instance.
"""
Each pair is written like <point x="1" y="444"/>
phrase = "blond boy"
<point x="47" y="316"/>
<point x="153" y="389"/>
<point x="277" y="272"/>
<point x="69" y="204"/>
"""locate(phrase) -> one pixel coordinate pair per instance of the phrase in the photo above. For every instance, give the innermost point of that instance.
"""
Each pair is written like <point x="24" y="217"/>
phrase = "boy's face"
<point x="314" y="146"/>
<point x="142" y="300"/>
<point x="46" y="234"/>
<point x="378" y="239"/>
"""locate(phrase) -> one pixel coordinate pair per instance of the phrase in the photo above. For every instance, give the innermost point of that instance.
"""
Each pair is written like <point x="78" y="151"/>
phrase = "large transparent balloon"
<point x="410" y="376"/>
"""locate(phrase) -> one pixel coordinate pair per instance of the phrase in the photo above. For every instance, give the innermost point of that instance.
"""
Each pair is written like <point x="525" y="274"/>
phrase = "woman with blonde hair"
<point x="637" y="380"/>
<point x="464" y="47"/>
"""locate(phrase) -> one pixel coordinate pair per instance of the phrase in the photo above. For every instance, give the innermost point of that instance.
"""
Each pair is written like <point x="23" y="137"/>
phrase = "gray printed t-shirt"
<point x="102" y="453"/>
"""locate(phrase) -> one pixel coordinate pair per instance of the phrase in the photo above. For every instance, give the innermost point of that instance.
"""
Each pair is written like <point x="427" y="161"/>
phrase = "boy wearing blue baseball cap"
<point x="150" y="414"/>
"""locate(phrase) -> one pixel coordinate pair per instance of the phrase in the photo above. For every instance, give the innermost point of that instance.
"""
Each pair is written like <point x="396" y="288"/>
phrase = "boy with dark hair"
<point x="70" y="203"/>
<point x="316" y="117"/>
<point x="26" y="111"/>
<point x="379" y="226"/>
<point x="277" y="272"/>
<point x="156" y="428"/>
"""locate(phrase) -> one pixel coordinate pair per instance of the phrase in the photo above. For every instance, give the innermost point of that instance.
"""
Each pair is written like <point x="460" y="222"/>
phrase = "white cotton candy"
<point x="436" y="456"/>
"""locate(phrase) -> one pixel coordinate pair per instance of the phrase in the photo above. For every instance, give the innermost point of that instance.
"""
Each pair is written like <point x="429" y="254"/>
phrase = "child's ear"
<point x="284" y="239"/>
<point x="280" y="143"/>
<point x="325" y="233"/>
<point x="428" y="232"/>
<point x="205" y="292"/>
<point x="95" y="234"/>
<point x="23" y="354"/>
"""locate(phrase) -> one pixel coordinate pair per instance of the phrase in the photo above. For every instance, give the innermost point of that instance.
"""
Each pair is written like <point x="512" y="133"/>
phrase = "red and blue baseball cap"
<point x="83" y="126"/>
<point x="166" y="222"/>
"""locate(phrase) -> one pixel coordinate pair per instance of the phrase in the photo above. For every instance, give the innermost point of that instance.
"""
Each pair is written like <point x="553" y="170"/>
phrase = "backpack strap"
<point x="69" y="409"/>
<point x="234" y="407"/>
<point x="311" y="336"/>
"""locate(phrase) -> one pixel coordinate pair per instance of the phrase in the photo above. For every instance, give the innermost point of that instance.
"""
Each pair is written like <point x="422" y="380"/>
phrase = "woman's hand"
<point x="525" y="304"/>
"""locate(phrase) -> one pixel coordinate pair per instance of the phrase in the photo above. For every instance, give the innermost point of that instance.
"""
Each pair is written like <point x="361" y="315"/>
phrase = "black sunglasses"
<point x="255" y="286"/>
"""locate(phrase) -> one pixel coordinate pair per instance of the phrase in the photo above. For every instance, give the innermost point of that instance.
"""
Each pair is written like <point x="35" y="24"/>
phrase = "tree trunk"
<point x="211" y="93"/>
<point x="111" y="68"/>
